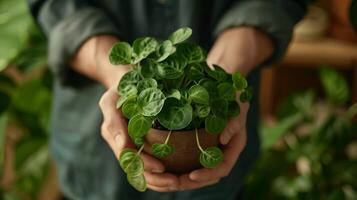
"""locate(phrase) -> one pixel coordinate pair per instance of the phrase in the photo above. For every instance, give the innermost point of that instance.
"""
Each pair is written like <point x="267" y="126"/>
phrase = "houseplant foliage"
<point x="310" y="153"/>
<point x="171" y="87"/>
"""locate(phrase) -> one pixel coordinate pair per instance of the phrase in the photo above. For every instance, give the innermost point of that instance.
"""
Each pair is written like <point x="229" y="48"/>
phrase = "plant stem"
<point x="168" y="137"/>
<point x="141" y="148"/>
<point x="198" y="142"/>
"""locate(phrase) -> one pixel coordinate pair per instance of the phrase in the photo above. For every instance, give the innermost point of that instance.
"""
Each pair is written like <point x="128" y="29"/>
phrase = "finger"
<point x="235" y="125"/>
<point x="160" y="189"/>
<point x="152" y="164"/>
<point x="231" y="153"/>
<point x="164" y="180"/>
<point x="187" y="184"/>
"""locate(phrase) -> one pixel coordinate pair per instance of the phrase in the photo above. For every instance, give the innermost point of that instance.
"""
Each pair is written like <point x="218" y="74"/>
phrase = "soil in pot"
<point x="186" y="155"/>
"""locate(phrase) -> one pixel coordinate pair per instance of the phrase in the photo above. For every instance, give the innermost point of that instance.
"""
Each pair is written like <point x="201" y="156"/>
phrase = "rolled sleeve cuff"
<point x="68" y="36"/>
<point x="269" y="17"/>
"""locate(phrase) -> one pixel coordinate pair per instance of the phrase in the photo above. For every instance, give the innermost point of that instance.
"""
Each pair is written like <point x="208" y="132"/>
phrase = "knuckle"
<point x="104" y="132"/>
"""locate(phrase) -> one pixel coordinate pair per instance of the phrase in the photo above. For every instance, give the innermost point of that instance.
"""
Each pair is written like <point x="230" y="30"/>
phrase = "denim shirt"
<point x="87" y="168"/>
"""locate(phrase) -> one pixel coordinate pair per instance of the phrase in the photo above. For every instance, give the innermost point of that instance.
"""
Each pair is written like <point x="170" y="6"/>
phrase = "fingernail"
<point x="225" y="138"/>
<point x="117" y="140"/>
<point x="157" y="170"/>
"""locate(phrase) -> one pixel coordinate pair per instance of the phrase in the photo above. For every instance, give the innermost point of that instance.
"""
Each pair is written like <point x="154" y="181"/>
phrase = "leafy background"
<point x="309" y="153"/>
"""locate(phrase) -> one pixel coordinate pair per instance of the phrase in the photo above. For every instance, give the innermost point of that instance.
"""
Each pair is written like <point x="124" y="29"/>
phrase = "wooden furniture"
<point x="299" y="70"/>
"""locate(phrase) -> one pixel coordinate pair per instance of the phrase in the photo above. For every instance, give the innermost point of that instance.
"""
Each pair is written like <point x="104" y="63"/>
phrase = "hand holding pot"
<point x="92" y="60"/>
<point x="236" y="49"/>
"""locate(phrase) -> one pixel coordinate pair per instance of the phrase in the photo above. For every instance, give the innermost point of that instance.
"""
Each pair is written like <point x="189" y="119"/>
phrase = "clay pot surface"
<point x="186" y="155"/>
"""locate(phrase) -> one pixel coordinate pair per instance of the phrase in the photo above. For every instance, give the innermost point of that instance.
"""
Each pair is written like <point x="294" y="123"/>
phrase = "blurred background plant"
<point x="311" y="151"/>
<point x="25" y="93"/>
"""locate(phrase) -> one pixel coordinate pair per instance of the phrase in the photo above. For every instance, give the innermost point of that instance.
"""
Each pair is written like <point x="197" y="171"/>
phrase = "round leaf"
<point x="239" y="81"/>
<point x="233" y="109"/>
<point x="164" y="50"/>
<point x="138" y="182"/>
<point x="192" y="53"/>
<point x="120" y="54"/>
<point x="202" y="111"/>
<point x="166" y="71"/>
<point x="151" y="101"/>
<point x="131" y="162"/>
<point x="215" y="124"/>
<point x="143" y="47"/>
<point x="217" y="73"/>
<point x="246" y="95"/>
<point x="127" y="84"/>
<point x="146" y="83"/>
<point x="199" y="94"/>
<point x="162" y="150"/>
<point x="175" y="115"/>
<point x="226" y="91"/>
<point x="211" y="157"/>
<point x="219" y="107"/>
<point x="139" y="126"/>
<point x="195" y="72"/>
<point x="130" y="108"/>
<point x="180" y="35"/>
<point x="174" y="94"/>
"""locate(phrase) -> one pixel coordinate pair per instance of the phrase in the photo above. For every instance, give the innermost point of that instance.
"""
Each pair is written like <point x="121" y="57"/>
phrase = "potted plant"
<point x="175" y="103"/>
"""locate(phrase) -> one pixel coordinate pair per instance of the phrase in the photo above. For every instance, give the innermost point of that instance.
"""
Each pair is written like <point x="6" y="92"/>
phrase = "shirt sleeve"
<point x="67" y="25"/>
<point x="275" y="17"/>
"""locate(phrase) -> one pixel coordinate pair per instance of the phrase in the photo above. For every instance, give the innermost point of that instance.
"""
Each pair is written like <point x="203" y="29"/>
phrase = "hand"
<point x="92" y="60"/>
<point x="114" y="131"/>
<point x="236" y="49"/>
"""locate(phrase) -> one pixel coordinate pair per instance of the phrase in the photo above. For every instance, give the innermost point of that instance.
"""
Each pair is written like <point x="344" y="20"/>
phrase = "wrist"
<point x="92" y="61"/>
<point x="241" y="49"/>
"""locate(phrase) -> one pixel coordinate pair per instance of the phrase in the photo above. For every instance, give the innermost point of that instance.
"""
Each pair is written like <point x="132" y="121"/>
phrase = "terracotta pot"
<point x="186" y="155"/>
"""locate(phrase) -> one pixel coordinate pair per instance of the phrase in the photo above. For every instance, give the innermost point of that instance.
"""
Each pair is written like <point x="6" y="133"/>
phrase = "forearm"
<point x="92" y="61"/>
<point x="241" y="49"/>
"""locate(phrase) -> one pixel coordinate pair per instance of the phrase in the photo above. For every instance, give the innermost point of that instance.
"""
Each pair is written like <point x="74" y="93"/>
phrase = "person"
<point x="240" y="35"/>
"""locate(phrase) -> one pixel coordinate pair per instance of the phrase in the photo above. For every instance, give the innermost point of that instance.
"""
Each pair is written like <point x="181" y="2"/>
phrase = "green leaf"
<point x="335" y="86"/>
<point x="162" y="150"/>
<point x="212" y="90"/>
<point x="138" y="182"/>
<point x="175" y="115"/>
<point x="164" y="50"/>
<point x="123" y="99"/>
<point x="226" y="91"/>
<point x="139" y="126"/>
<point x="202" y="110"/>
<point x="174" y="94"/>
<point x="219" y="107"/>
<point x="147" y="68"/>
<point x="211" y="157"/>
<point x="215" y="124"/>
<point x="192" y="53"/>
<point x="143" y="47"/>
<point x="199" y="94"/>
<point x="127" y="84"/>
<point x="120" y="54"/>
<point x="180" y="35"/>
<point x="146" y="83"/>
<point x="246" y="95"/>
<point x="233" y="109"/>
<point x="166" y="71"/>
<point x="151" y="101"/>
<point x="130" y="108"/>
<point x="217" y="73"/>
<point x="131" y="162"/>
<point x="195" y="72"/>
<point x="239" y="81"/>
